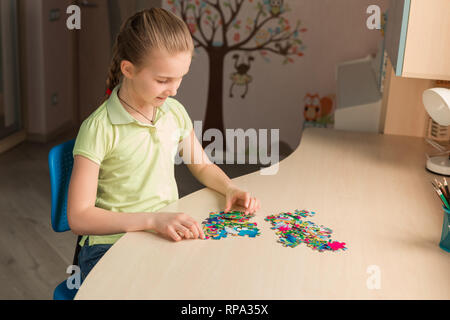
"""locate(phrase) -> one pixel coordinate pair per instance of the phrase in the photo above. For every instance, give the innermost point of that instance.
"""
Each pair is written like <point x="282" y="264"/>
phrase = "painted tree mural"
<point x="216" y="28"/>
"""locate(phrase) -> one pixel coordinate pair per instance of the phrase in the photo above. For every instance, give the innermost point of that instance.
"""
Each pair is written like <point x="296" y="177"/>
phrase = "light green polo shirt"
<point x="136" y="159"/>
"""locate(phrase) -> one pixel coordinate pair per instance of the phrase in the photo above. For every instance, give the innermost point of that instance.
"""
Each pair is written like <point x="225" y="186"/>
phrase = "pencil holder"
<point x="445" y="237"/>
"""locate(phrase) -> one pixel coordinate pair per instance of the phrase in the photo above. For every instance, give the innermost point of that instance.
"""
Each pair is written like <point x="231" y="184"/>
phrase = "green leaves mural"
<point x="217" y="28"/>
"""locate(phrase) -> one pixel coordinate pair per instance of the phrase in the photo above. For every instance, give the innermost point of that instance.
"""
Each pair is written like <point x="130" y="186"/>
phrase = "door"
<point x="10" y="115"/>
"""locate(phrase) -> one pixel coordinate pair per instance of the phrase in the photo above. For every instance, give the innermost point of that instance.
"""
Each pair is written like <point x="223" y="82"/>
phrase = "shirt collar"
<point x="117" y="113"/>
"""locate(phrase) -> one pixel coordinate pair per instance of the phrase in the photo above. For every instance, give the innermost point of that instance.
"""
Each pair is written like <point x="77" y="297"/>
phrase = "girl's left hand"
<point x="236" y="196"/>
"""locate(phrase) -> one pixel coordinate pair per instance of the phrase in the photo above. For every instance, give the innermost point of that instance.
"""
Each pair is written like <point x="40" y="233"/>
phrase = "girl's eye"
<point x="159" y="81"/>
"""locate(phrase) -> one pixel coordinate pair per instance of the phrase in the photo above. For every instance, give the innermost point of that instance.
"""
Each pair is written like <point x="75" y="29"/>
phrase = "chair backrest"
<point x="60" y="163"/>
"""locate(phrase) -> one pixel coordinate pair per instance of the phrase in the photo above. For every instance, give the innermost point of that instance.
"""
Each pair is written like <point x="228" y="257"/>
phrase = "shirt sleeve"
<point x="93" y="141"/>
<point x="183" y="119"/>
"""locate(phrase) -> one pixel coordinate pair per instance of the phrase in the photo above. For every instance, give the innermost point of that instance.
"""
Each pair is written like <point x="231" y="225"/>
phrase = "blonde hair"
<point x="147" y="30"/>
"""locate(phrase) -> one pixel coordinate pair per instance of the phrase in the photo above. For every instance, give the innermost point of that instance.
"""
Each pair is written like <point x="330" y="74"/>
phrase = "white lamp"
<point x="437" y="104"/>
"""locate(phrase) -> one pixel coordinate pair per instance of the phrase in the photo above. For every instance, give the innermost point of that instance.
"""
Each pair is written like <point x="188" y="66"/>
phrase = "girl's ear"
<point x="127" y="69"/>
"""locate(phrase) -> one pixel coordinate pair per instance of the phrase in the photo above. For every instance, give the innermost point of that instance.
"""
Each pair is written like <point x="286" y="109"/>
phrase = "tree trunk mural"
<point x="216" y="28"/>
<point x="214" y="110"/>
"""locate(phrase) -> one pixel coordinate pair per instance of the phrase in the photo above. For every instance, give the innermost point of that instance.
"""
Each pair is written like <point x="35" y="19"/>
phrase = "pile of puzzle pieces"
<point x="236" y="223"/>
<point x="292" y="231"/>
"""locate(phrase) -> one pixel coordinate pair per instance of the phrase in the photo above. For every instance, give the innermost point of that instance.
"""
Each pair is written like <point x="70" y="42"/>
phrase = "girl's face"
<point x="161" y="76"/>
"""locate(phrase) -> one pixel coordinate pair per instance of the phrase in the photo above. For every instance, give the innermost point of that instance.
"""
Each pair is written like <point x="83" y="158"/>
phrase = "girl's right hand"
<point x="177" y="225"/>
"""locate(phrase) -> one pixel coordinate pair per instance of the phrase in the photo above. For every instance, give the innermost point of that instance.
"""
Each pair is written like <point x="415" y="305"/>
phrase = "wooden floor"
<point x="34" y="258"/>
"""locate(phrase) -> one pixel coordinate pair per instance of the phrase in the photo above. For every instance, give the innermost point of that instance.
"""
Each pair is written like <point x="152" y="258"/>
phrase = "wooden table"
<point x="372" y="190"/>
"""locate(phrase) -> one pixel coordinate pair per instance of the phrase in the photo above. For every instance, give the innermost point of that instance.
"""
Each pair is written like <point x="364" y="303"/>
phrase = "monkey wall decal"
<point x="283" y="50"/>
<point x="240" y="77"/>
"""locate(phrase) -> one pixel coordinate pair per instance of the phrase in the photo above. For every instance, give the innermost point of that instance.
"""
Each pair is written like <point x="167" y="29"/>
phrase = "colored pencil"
<point x="436" y="190"/>
<point x="446" y="187"/>
<point x="441" y="187"/>
<point x="444" y="201"/>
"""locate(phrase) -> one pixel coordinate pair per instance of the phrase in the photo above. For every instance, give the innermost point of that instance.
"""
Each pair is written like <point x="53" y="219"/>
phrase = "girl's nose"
<point x="174" y="87"/>
<point x="172" y="91"/>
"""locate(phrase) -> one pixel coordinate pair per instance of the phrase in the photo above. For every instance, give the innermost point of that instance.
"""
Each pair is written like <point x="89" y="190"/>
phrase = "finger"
<point x="258" y="204"/>
<point x="195" y="231"/>
<point x="250" y="206"/>
<point x="173" y="234"/>
<point x="200" y="229"/>
<point x="247" y="199"/>
<point x="241" y="202"/>
<point x="192" y="227"/>
<point x="183" y="230"/>
<point x="244" y="199"/>
<point x="228" y="205"/>
<point x="253" y="205"/>
<point x="245" y="209"/>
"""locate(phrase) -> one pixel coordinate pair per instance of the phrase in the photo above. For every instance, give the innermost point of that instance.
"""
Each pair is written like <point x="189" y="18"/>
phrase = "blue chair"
<point x="60" y="163"/>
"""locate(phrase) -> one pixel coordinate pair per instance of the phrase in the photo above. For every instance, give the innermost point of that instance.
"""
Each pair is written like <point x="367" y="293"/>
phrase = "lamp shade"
<point x="437" y="104"/>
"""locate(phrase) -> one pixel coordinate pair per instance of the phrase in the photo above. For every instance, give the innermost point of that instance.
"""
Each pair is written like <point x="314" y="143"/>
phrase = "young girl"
<point x="124" y="153"/>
